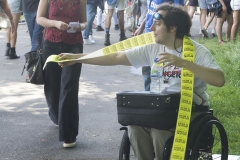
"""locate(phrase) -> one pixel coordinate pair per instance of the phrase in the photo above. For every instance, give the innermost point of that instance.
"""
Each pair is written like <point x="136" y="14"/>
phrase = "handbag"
<point x="35" y="63"/>
<point x="35" y="66"/>
<point x="147" y="109"/>
<point x="214" y="6"/>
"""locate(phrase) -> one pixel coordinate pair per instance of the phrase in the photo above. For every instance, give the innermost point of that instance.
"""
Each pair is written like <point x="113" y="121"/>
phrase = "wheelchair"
<point x="206" y="139"/>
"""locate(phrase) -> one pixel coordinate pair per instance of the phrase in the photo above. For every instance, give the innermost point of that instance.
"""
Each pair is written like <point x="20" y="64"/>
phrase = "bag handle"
<point x="83" y="16"/>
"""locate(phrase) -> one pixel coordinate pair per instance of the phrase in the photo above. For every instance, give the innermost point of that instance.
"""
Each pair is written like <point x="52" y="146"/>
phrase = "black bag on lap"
<point x="147" y="109"/>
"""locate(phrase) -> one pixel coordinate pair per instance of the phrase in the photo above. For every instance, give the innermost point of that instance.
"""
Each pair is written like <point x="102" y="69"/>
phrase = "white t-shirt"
<point x="145" y="55"/>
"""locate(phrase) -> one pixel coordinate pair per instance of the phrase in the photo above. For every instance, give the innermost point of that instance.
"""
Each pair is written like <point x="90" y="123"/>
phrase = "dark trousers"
<point x="61" y="90"/>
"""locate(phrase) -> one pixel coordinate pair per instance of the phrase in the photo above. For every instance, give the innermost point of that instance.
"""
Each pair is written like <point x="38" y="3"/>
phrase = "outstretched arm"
<point x="118" y="58"/>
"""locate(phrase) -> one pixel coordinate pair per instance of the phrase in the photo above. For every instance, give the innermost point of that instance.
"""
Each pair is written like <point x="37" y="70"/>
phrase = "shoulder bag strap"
<point x="83" y="11"/>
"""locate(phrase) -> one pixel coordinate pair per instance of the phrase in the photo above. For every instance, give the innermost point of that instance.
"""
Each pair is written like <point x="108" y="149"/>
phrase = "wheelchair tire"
<point x="124" y="151"/>
<point x="205" y="145"/>
<point x="195" y="127"/>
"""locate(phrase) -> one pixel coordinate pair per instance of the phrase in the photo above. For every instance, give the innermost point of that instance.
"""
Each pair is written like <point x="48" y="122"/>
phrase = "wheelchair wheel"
<point x="210" y="139"/>
<point x="124" y="151"/>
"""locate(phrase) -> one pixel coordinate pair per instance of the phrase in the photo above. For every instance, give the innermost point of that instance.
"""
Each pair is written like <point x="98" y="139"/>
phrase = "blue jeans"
<point x="61" y="90"/>
<point x="91" y="12"/>
<point x="34" y="29"/>
<point x="146" y="72"/>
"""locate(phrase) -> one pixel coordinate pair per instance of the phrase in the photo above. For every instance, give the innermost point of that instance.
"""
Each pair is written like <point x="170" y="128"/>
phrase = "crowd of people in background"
<point x="28" y="8"/>
<point x="229" y="12"/>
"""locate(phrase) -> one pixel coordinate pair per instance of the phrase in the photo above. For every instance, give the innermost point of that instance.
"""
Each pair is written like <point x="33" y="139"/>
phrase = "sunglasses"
<point x="157" y="16"/>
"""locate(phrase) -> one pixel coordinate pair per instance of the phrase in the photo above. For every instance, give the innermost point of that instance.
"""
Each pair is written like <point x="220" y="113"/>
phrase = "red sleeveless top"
<point x="65" y="11"/>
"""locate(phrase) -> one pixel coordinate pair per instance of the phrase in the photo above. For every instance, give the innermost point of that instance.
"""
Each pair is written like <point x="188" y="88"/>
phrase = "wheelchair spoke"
<point x="217" y="142"/>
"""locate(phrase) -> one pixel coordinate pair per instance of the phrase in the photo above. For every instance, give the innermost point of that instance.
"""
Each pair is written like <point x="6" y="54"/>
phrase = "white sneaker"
<point x="200" y="31"/>
<point x="91" y="38"/>
<point x="88" y="41"/>
<point x="213" y="32"/>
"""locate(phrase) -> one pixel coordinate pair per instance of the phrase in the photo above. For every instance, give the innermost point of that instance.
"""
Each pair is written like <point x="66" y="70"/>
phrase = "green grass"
<point x="225" y="101"/>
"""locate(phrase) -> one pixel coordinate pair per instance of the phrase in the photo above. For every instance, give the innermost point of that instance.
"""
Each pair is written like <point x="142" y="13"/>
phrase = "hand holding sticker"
<point x="72" y="25"/>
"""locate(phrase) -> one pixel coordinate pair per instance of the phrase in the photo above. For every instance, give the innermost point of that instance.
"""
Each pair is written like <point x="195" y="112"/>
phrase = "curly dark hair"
<point x="176" y="16"/>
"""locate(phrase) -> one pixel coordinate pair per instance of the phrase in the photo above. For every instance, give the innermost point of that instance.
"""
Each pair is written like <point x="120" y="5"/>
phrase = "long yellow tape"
<point x="187" y="80"/>
<point x="185" y="107"/>
<point x="144" y="39"/>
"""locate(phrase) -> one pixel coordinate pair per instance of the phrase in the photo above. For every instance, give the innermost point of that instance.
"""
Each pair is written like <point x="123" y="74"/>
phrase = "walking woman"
<point x="11" y="37"/>
<point x="224" y="14"/>
<point x="61" y="84"/>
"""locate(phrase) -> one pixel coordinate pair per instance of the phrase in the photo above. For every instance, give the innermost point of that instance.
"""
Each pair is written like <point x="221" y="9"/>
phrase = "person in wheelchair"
<point x="171" y="23"/>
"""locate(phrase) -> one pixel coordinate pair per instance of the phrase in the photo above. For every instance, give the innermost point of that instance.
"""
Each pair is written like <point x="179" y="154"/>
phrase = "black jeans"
<point x="61" y="90"/>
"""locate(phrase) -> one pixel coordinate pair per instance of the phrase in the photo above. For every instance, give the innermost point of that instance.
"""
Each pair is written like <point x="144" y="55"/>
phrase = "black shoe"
<point x="116" y="27"/>
<point x="99" y="28"/>
<point x="122" y="37"/>
<point x="13" y="55"/>
<point x="107" y="40"/>
<point x="204" y="32"/>
<point x="7" y="50"/>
